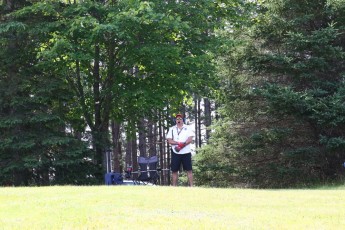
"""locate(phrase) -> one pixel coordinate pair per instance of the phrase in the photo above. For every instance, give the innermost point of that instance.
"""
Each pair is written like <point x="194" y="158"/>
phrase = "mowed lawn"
<point x="159" y="207"/>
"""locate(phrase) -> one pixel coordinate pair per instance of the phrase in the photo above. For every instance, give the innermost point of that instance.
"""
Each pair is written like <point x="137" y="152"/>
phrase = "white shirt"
<point x="180" y="135"/>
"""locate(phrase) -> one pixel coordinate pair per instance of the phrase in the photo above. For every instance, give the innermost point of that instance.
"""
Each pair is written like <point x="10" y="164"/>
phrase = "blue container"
<point x="113" y="178"/>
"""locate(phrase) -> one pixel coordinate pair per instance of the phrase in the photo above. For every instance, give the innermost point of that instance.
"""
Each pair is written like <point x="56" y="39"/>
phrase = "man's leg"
<point x="187" y="165"/>
<point x="174" y="178"/>
<point x="175" y="165"/>
<point x="190" y="177"/>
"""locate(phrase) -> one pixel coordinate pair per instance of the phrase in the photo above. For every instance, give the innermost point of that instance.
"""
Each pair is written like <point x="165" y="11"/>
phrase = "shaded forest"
<point x="261" y="82"/>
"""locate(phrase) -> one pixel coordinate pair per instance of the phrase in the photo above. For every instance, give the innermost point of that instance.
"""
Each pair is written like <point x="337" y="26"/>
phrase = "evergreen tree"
<point x="283" y="112"/>
<point x="34" y="146"/>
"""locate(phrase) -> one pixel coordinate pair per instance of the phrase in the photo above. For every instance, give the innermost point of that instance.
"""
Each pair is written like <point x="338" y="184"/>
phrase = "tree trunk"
<point x="134" y="156"/>
<point x="142" y="137"/>
<point x="196" y="121"/>
<point x="97" y="132"/>
<point x="117" y="154"/>
<point x="8" y="5"/>
<point x="199" y="123"/>
<point x="151" y="136"/>
<point x="207" y="123"/>
<point x="128" y="157"/>
<point x="161" y="148"/>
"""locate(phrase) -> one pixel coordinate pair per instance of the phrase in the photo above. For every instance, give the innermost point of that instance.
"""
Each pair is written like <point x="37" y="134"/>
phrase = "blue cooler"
<point x="113" y="178"/>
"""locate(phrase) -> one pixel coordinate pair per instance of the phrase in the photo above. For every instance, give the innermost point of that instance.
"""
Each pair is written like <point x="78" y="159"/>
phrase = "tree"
<point x="34" y="146"/>
<point x="120" y="59"/>
<point x="283" y="108"/>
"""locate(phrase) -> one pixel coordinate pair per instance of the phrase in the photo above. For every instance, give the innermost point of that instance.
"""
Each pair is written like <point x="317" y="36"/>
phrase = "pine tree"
<point x="34" y="145"/>
<point x="283" y="111"/>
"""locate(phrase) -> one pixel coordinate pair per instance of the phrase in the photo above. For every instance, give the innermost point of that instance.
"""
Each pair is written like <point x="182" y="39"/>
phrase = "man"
<point x="179" y="137"/>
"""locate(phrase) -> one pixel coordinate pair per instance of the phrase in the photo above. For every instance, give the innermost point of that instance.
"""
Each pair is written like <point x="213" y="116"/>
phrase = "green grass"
<point x="155" y="207"/>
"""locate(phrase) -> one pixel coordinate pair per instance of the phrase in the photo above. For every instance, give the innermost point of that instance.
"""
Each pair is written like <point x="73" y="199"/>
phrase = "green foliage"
<point x="283" y="104"/>
<point x="33" y="139"/>
<point x="72" y="66"/>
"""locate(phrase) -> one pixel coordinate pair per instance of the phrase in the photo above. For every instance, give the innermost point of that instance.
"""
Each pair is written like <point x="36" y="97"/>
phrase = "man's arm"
<point x="170" y="137"/>
<point x="189" y="140"/>
<point x="171" y="141"/>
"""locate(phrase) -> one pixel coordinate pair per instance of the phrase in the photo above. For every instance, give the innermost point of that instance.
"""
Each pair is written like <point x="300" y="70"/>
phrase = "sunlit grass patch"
<point x="155" y="207"/>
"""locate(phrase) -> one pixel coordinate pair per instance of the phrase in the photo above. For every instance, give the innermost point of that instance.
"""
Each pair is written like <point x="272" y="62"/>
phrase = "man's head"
<point x="179" y="118"/>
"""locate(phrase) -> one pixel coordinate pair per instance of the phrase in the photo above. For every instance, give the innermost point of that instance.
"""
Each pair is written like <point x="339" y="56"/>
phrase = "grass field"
<point x="154" y="207"/>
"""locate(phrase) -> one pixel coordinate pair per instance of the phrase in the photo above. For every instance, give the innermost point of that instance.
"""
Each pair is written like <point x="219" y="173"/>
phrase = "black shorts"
<point x="178" y="159"/>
